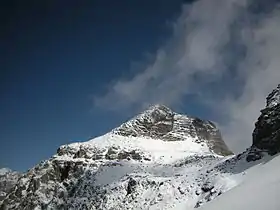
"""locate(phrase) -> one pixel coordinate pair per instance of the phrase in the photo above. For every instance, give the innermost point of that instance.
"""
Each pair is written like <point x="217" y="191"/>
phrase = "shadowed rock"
<point x="266" y="135"/>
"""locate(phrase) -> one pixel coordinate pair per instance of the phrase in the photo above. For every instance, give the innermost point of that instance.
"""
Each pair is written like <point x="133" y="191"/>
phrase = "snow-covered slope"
<point x="116" y="172"/>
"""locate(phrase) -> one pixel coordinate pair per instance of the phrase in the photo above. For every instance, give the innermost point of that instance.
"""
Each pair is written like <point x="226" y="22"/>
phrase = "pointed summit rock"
<point x="160" y="122"/>
<point x="156" y="121"/>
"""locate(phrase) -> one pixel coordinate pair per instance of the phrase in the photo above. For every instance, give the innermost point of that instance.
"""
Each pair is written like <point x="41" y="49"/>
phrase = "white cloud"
<point x="221" y="51"/>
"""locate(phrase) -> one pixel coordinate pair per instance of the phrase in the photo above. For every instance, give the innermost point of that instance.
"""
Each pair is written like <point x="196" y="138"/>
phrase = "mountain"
<point x="160" y="122"/>
<point x="266" y="136"/>
<point x="157" y="160"/>
<point x="154" y="160"/>
<point x="8" y="180"/>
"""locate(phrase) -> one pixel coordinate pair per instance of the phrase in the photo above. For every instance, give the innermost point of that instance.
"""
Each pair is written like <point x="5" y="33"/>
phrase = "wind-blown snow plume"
<point x="225" y="52"/>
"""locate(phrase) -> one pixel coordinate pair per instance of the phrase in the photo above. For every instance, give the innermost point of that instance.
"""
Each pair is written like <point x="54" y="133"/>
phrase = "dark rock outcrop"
<point x="266" y="135"/>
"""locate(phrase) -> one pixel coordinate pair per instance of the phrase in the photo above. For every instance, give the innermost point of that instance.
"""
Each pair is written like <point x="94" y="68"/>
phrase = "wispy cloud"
<point x="226" y="52"/>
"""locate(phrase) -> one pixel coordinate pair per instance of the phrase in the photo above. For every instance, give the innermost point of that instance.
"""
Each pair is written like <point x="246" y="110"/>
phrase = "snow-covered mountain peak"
<point x="157" y="135"/>
<point x="161" y="123"/>
<point x="149" y="155"/>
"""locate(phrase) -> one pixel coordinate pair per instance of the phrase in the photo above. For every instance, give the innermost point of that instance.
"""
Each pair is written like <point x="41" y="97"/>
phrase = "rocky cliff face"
<point x="266" y="135"/>
<point x="160" y="122"/>
<point x="143" y="164"/>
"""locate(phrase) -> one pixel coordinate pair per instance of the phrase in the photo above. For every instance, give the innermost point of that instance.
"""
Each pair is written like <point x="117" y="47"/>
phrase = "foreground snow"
<point x="258" y="190"/>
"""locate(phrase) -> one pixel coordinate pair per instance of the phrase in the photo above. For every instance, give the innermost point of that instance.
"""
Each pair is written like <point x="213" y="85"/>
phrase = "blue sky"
<point x="56" y="56"/>
<point x="72" y="70"/>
